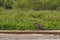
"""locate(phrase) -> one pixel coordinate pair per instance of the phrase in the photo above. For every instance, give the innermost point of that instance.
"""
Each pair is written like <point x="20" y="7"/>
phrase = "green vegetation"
<point x="22" y="14"/>
<point x="31" y="4"/>
<point x="22" y="20"/>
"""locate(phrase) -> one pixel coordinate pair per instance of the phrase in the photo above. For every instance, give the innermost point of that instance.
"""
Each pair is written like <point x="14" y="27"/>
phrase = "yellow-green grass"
<point x="17" y="19"/>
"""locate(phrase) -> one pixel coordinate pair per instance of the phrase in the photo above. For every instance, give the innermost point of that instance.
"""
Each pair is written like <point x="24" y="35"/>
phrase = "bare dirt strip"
<point x="55" y="32"/>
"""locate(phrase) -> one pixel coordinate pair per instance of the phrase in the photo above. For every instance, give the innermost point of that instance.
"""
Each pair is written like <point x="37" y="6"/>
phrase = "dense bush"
<point x="1" y="4"/>
<point x="7" y="4"/>
<point x="31" y="4"/>
<point x="40" y="4"/>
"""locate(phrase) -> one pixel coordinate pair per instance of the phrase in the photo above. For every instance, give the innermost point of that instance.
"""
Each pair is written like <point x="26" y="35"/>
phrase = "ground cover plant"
<point x="22" y="14"/>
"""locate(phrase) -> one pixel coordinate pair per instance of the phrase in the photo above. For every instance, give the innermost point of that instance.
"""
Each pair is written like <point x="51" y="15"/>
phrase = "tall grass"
<point x="22" y="14"/>
<point x="24" y="20"/>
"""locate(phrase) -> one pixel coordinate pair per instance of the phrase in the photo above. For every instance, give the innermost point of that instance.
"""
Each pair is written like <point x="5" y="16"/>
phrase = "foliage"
<point x="31" y="4"/>
<point x="22" y="14"/>
<point x="24" y="20"/>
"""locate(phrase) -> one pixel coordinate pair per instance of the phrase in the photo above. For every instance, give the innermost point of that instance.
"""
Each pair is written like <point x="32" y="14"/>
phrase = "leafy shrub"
<point x="31" y="4"/>
<point x="7" y="4"/>
<point x="8" y="7"/>
<point x="1" y="4"/>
